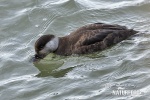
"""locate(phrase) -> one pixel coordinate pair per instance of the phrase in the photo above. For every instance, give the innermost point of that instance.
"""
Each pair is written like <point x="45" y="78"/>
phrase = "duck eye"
<point x="37" y="57"/>
<point x="41" y="47"/>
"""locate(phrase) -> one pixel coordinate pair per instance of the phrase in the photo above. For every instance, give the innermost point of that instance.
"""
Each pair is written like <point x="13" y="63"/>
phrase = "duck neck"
<point x="62" y="46"/>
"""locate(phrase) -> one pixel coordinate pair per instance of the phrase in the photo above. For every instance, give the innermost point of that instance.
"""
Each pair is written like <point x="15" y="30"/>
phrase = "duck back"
<point x="94" y="37"/>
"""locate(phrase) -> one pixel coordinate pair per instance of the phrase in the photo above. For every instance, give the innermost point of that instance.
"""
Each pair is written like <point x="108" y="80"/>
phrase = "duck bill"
<point x="37" y="57"/>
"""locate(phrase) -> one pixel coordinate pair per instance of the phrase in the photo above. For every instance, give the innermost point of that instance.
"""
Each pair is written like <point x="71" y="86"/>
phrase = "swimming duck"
<point x="87" y="39"/>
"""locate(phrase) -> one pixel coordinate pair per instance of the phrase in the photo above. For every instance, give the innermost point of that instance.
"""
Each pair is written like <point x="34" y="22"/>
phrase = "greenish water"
<point x="121" y="72"/>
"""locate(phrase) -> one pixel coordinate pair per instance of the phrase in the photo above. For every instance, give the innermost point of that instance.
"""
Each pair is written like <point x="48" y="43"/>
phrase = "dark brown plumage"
<point x="87" y="39"/>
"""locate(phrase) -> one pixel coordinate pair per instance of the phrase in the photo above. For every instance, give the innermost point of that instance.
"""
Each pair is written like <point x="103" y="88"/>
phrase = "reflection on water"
<point x="75" y="77"/>
<point x="54" y="73"/>
<point x="48" y="66"/>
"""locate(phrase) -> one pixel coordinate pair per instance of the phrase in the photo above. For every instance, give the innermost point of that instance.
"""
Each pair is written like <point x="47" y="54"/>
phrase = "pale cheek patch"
<point x="44" y="51"/>
<point x="50" y="46"/>
<point x="53" y="44"/>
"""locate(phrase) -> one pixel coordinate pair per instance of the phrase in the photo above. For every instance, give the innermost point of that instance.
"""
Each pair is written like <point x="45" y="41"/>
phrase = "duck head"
<point x="44" y="45"/>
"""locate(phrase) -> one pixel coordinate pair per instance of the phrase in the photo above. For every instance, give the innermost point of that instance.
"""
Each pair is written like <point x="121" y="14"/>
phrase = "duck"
<point x="86" y="39"/>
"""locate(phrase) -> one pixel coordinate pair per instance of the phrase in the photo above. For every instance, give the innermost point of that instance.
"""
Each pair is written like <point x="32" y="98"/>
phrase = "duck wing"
<point x="100" y="39"/>
<point x="93" y="38"/>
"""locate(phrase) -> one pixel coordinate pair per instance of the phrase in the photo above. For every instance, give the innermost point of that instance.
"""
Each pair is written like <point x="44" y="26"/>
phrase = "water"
<point x="118" y="73"/>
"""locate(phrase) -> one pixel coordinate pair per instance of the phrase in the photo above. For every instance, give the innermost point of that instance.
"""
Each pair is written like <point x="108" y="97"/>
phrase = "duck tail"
<point x="132" y="31"/>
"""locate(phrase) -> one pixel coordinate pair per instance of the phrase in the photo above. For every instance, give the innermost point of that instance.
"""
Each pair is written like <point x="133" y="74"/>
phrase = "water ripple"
<point x="90" y="77"/>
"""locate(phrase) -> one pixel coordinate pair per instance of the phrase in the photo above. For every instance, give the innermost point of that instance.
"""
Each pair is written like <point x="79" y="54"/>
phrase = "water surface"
<point x="123" y="67"/>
